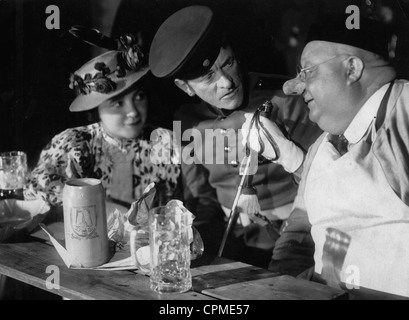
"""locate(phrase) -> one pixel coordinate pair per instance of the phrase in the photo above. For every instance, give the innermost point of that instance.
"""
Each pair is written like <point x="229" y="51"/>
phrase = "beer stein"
<point x="85" y="222"/>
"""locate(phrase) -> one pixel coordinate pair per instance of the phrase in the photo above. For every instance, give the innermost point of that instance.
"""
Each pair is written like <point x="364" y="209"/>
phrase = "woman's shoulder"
<point x="77" y="134"/>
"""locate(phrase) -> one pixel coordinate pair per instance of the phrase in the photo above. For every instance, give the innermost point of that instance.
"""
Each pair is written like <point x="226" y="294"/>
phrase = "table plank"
<point x="227" y="280"/>
<point x="370" y="294"/>
<point x="276" y="288"/>
<point x="27" y="262"/>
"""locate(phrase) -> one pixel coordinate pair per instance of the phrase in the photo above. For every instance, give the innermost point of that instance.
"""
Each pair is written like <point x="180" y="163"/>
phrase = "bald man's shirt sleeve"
<point x="391" y="146"/>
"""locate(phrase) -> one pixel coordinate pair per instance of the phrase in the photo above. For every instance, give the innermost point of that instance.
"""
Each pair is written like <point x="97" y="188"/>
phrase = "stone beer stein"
<point x="85" y="222"/>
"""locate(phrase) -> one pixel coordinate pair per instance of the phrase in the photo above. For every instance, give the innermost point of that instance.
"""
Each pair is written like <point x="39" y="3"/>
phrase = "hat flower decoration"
<point x="108" y="74"/>
<point x="130" y="57"/>
<point x="98" y="83"/>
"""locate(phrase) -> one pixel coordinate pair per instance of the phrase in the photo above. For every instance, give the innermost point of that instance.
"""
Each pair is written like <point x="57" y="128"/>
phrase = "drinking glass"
<point x="13" y="171"/>
<point x="169" y="250"/>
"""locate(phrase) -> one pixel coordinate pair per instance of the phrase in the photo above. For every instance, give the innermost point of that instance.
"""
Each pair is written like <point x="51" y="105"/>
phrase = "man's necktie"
<point x="340" y="143"/>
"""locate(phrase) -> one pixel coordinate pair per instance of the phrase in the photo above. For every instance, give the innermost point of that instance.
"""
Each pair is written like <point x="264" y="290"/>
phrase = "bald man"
<point x="352" y="207"/>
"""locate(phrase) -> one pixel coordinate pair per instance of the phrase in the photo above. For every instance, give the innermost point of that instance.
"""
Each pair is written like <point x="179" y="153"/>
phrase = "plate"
<point x="18" y="216"/>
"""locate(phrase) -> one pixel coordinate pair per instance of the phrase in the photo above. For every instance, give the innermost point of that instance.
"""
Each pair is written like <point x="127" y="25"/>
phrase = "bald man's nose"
<point x="294" y="87"/>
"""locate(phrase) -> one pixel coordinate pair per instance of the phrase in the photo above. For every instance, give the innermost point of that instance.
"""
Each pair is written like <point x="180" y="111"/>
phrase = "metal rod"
<point x="233" y="212"/>
<point x="264" y="111"/>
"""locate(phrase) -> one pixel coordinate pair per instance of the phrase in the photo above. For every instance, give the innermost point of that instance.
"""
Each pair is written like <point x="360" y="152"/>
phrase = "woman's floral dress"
<point x="125" y="166"/>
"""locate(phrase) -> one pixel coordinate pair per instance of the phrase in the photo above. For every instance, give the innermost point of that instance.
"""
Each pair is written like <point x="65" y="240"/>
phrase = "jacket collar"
<point x="365" y="117"/>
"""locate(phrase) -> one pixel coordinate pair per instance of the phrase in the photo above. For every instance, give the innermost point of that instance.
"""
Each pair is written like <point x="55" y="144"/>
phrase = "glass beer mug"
<point x="13" y="171"/>
<point x="169" y="250"/>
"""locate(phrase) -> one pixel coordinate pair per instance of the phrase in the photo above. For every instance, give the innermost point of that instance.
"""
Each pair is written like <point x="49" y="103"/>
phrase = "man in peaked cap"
<point x="353" y="197"/>
<point x="191" y="49"/>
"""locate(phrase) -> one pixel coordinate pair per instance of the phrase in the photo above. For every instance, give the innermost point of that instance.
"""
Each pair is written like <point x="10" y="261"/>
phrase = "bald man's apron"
<point x="351" y="194"/>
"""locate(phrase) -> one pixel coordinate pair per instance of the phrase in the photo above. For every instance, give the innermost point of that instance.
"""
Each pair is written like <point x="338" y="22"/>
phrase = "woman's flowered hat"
<point x="107" y="75"/>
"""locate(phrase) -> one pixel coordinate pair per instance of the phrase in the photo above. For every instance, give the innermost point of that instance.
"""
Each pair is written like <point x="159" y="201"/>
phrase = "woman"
<point x="117" y="148"/>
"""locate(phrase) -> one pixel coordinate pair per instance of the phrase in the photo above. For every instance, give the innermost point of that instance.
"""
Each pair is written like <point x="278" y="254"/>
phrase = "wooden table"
<point x="213" y="279"/>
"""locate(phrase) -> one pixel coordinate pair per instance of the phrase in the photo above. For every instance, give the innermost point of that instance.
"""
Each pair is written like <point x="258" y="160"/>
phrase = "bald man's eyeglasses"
<point x="303" y="73"/>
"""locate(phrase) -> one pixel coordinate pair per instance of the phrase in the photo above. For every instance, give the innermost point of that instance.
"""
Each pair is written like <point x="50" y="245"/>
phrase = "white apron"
<point x="350" y="193"/>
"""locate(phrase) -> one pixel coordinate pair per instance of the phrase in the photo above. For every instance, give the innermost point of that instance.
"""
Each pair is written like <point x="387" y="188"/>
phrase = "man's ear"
<point x="355" y="68"/>
<point x="183" y="85"/>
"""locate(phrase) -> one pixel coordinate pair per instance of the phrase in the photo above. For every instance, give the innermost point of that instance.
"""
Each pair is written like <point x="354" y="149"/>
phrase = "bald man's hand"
<point x="290" y="156"/>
